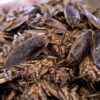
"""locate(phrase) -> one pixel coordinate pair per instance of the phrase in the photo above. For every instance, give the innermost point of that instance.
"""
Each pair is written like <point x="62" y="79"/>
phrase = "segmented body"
<point x="88" y="68"/>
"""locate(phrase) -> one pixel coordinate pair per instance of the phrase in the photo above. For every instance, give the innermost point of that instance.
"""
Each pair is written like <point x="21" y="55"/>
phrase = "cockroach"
<point x="95" y="21"/>
<point x="95" y="49"/>
<point x="79" y="47"/>
<point x="26" y="49"/>
<point x="72" y="15"/>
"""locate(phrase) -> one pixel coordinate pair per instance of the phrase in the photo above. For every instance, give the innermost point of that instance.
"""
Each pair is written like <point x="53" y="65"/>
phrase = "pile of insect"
<point x="50" y="51"/>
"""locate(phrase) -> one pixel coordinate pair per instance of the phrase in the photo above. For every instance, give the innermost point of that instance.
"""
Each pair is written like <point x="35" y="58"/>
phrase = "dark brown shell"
<point x="79" y="48"/>
<point x="13" y="24"/>
<point x="95" y="21"/>
<point x="95" y="50"/>
<point x="25" y="50"/>
<point x="72" y="15"/>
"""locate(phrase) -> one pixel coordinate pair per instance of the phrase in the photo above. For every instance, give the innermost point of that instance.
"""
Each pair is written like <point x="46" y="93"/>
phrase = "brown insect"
<point x="79" y="48"/>
<point x="95" y="21"/>
<point x="72" y="15"/>
<point x="15" y="23"/>
<point x="26" y="49"/>
<point x="88" y="68"/>
<point x="95" y="50"/>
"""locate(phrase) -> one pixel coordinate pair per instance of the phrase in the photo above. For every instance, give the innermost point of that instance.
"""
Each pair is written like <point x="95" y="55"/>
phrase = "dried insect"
<point x="96" y="48"/>
<point x="95" y="21"/>
<point x="88" y="68"/>
<point x="79" y="48"/>
<point x="72" y="15"/>
<point x="54" y="23"/>
<point x="26" y="49"/>
<point x="25" y="36"/>
<point x="14" y="24"/>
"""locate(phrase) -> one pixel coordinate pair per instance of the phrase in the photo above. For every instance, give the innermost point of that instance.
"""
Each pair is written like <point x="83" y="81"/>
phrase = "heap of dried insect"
<point x="50" y="52"/>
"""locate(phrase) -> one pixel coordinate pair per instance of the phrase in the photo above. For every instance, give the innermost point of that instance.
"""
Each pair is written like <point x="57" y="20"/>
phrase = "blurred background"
<point x="14" y="4"/>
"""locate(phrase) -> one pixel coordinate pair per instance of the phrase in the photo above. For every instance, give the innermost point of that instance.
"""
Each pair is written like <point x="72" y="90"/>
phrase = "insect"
<point x="88" y="68"/>
<point x="26" y="49"/>
<point x="72" y="15"/>
<point x="79" y="48"/>
<point x="96" y="48"/>
<point x="95" y="21"/>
